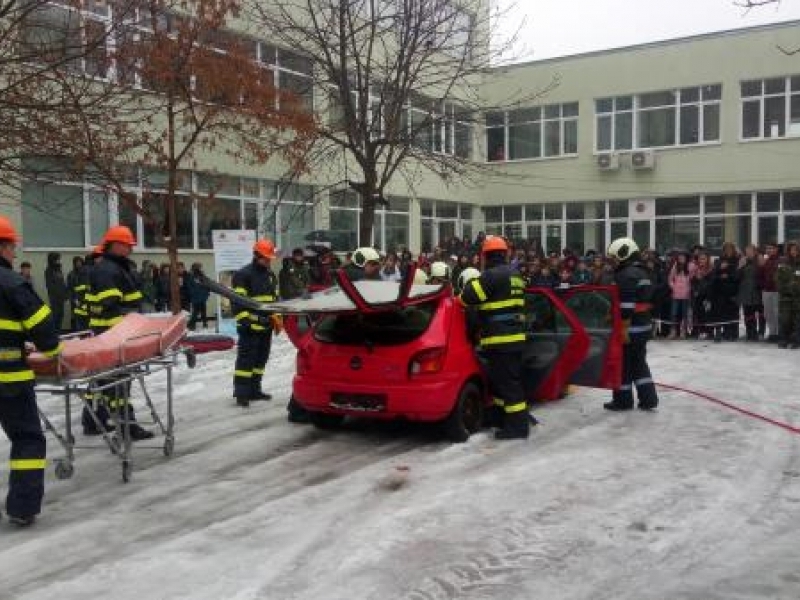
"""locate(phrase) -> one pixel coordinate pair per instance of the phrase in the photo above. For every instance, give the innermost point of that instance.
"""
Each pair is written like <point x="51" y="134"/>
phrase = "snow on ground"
<point x="692" y="502"/>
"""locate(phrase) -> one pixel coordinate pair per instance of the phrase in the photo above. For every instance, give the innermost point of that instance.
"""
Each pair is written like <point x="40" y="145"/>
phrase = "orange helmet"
<point x="265" y="249"/>
<point x="121" y="234"/>
<point x="7" y="231"/>
<point x="494" y="243"/>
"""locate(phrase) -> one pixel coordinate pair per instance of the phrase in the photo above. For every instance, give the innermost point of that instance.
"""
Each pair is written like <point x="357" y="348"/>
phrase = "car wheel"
<point x="326" y="420"/>
<point x="467" y="415"/>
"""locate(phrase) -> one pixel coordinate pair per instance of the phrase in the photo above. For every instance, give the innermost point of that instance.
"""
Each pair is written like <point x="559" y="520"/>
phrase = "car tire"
<point x="467" y="415"/>
<point x="323" y="420"/>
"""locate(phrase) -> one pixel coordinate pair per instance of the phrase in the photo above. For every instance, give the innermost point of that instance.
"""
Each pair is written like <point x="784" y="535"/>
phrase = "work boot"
<point x="617" y="406"/>
<point x="647" y="406"/>
<point x="494" y="417"/>
<point x="242" y="401"/>
<point x="259" y="395"/>
<point x="22" y="522"/>
<point x="516" y="426"/>
<point x="139" y="433"/>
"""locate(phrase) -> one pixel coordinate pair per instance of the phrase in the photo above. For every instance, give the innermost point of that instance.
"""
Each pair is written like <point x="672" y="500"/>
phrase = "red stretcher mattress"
<point x="136" y="338"/>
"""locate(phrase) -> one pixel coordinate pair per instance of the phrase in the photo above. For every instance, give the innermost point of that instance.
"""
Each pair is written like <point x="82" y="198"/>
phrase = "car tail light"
<point x="427" y="362"/>
<point x="303" y="362"/>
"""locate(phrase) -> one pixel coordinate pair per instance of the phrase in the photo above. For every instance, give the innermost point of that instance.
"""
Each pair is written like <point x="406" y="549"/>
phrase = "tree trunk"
<point x="172" y="252"/>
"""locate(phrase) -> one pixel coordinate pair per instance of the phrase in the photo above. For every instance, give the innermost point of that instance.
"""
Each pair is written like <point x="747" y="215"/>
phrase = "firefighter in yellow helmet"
<point x="23" y="316"/>
<point x="258" y="282"/>
<point x="499" y="295"/>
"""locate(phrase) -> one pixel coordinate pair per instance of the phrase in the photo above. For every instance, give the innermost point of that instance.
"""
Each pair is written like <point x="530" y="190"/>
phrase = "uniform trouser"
<point x="770" y="300"/>
<point x="789" y="315"/>
<point x="80" y="322"/>
<point x="251" y="358"/>
<point x="19" y="418"/>
<point x="114" y="398"/>
<point x="636" y="373"/>
<point x="504" y="371"/>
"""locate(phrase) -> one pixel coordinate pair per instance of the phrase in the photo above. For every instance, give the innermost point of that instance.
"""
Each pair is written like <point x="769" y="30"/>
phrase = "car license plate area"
<point x="359" y="402"/>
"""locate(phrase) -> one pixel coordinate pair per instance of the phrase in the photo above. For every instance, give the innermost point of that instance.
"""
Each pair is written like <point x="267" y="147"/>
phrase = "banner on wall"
<point x="643" y="209"/>
<point x="233" y="249"/>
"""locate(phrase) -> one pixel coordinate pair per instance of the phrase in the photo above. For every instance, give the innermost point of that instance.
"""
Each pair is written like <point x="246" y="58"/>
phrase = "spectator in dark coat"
<point x="749" y="293"/>
<point x="75" y="289"/>
<point x="57" y="291"/>
<point x="198" y="296"/>
<point x="724" y="291"/>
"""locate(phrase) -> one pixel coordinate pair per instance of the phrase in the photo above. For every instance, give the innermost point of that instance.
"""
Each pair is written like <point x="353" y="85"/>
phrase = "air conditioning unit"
<point x="643" y="159"/>
<point x="608" y="162"/>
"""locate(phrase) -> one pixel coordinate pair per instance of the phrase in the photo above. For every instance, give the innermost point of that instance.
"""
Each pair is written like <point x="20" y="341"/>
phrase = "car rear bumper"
<point x="427" y="398"/>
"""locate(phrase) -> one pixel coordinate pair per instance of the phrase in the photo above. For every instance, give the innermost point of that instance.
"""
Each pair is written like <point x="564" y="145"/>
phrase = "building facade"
<point x="687" y="141"/>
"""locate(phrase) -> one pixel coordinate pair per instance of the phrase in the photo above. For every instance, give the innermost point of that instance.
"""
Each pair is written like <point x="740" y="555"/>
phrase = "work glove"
<point x="277" y="323"/>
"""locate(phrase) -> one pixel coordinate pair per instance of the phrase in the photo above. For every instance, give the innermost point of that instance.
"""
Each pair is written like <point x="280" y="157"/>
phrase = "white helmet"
<point x="440" y="269"/>
<point x="466" y="276"/>
<point x="622" y="249"/>
<point x="364" y="255"/>
<point x="420" y="278"/>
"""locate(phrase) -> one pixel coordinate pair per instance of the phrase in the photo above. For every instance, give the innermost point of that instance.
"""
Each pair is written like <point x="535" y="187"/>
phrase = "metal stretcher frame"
<point x="90" y="386"/>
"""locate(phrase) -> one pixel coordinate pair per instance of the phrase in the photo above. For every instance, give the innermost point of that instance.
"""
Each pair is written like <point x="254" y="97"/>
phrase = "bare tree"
<point x="397" y="81"/>
<point x="175" y="87"/>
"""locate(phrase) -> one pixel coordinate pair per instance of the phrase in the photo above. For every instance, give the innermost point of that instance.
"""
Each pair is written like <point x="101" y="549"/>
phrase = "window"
<point x="771" y="108"/>
<point x="52" y="215"/>
<point x="217" y="213"/>
<point x="681" y="117"/>
<point x="537" y="132"/>
<point x="157" y="226"/>
<point x="291" y="71"/>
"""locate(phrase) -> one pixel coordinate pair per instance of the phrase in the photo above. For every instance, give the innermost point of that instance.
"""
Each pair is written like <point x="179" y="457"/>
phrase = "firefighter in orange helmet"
<point x="23" y="316"/>
<point x="499" y="295"/>
<point x="258" y="282"/>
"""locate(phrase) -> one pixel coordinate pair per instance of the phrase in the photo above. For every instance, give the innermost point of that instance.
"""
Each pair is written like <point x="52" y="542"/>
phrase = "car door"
<point x="597" y="309"/>
<point x="556" y="346"/>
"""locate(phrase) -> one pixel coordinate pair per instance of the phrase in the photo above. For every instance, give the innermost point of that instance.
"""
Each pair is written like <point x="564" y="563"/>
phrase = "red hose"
<point x="733" y="407"/>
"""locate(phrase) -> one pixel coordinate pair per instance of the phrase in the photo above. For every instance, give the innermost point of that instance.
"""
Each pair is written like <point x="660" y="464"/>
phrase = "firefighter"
<point x="23" y="316"/>
<point x="80" y="289"/>
<point x="365" y="263"/>
<point x="258" y="282"/>
<point x="499" y="295"/>
<point x="440" y="273"/>
<point x="113" y="293"/>
<point x="636" y="292"/>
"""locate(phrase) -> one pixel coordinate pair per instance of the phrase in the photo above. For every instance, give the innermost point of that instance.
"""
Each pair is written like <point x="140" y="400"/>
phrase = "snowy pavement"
<point x="692" y="502"/>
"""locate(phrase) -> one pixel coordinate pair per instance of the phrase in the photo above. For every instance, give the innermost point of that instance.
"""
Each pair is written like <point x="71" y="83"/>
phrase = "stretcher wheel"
<point x="191" y="358"/>
<point x="127" y="470"/>
<point x="169" y="446"/>
<point x="64" y="469"/>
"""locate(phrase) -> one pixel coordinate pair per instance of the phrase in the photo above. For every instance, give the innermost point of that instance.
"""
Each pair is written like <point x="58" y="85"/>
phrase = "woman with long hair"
<point x="681" y="286"/>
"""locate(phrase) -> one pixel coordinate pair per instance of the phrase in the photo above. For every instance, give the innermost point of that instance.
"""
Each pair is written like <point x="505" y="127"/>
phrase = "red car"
<point x="386" y="351"/>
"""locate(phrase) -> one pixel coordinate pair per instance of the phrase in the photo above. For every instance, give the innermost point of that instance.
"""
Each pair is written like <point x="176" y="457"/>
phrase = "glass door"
<point x="641" y="234"/>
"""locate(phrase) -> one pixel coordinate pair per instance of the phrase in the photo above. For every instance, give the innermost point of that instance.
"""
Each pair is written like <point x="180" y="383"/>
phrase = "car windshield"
<point x="385" y="328"/>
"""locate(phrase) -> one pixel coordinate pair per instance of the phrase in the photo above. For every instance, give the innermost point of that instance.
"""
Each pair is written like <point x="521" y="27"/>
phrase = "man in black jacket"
<point x="256" y="281"/>
<point x="635" y="296"/>
<point x="23" y="316"/>
<point x="57" y="292"/>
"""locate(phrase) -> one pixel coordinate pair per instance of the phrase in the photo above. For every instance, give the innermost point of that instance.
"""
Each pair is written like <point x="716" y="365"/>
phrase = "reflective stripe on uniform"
<point x="137" y="295"/>
<point x="241" y="291"/>
<point x="37" y="317"/>
<point x="95" y="322"/>
<point x="643" y="380"/>
<point x="503" y="339"/>
<point x="265" y="298"/>
<point x="478" y="289"/>
<point x="502" y="304"/>
<point x="515" y="408"/>
<point x="9" y="325"/>
<point x="80" y="311"/>
<point x="257" y="327"/>
<point x="499" y="402"/>
<point x="639" y="328"/>
<point x="28" y="464"/>
<point x="258" y="371"/>
<point x="239" y="373"/>
<point x="10" y="354"/>
<point x="627" y="304"/>
<point x="241" y="315"/>
<point x="112" y="293"/>
<point x="17" y="376"/>
<point x="55" y="351"/>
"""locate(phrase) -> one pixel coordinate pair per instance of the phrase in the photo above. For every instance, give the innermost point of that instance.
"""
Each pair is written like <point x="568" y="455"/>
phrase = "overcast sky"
<point x="562" y="27"/>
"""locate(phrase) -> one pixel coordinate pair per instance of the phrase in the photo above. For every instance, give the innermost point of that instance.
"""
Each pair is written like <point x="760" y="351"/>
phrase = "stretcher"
<point x="91" y="366"/>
